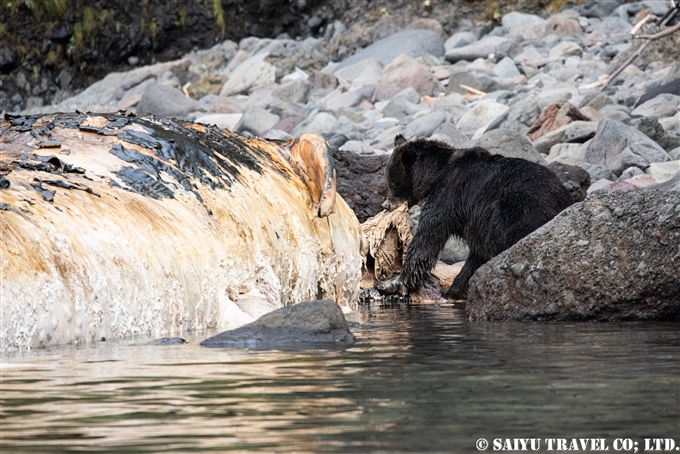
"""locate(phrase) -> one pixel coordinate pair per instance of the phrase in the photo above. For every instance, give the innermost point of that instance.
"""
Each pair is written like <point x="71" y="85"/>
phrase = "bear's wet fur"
<point x="490" y="201"/>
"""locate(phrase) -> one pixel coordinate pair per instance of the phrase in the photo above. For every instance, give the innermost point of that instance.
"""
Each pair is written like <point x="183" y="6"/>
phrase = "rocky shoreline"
<point x="529" y="87"/>
<point x="52" y="50"/>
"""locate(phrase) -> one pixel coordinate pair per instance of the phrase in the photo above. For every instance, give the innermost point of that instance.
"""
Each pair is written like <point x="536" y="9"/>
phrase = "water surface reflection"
<point x="419" y="378"/>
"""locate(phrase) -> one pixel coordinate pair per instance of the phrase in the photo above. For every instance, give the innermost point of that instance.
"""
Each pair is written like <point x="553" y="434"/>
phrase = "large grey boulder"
<point x="509" y="144"/>
<point x="615" y="114"/>
<point x="426" y="125"/>
<point x="414" y="43"/>
<point x="515" y="20"/>
<point x="365" y="72"/>
<point x="385" y="139"/>
<point x="256" y="120"/>
<point x="617" y="146"/>
<point x="294" y="91"/>
<point x="406" y="72"/>
<point x="597" y="172"/>
<point x="663" y="171"/>
<point x="264" y="97"/>
<point x="566" y="49"/>
<point x="308" y="322"/>
<point x="575" y="179"/>
<point x="459" y="39"/>
<point x="165" y="101"/>
<point x="403" y="106"/>
<point x="480" y="116"/>
<point x="519" y="117"/>
<point x="347" y="128"/>
<point x="574" y="132"/>
<point x="478" y="79"/>
<point x="316" y="123"/>
<point x="567" y="153"/>
<point x="254" y="72"/>
<point x="478" y="49"/>
<point x="339" y="99"/>
<point x="447" y="132"/>
<point x="454" y="103"/>
<point x="358" y="147"/>
<point x="224" y="121"/>
<point x="671" y="85"/>
<point x="506" y="68"/>
<point x="615" y="256"/>
<point x="664" y="105"/>
<point x="651" y="127"/>
<point x="671" y="185"/>
<point x="595" y="100"/>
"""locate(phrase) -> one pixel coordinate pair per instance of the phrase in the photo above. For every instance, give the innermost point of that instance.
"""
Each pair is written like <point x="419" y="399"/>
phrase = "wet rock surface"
<point x="574" y="178"/>
<point x="361" y="182"/>
<point x="613" y="257"/>
<point x="168" y="341"/>
<point x="305" y="323"/>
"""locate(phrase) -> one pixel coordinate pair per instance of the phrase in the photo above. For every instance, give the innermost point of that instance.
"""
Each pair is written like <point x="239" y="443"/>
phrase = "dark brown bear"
<point x="489" y="201"/>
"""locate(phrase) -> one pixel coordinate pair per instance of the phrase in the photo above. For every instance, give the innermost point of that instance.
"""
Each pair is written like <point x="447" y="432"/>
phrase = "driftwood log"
<point x="117" y="225"/>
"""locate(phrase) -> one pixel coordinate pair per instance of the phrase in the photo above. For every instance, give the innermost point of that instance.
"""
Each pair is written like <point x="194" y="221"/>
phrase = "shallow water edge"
<point x="419" y="378"/>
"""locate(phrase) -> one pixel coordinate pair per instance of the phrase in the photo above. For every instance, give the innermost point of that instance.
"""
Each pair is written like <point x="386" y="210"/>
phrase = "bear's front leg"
<point x="392" y="286"/>
<point x="459" y="287"/>
<point x="423" y="252"/>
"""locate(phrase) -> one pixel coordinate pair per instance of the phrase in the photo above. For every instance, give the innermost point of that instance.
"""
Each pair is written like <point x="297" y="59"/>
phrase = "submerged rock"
<point x="308" y="322"/>
<point x="166" y="341"/>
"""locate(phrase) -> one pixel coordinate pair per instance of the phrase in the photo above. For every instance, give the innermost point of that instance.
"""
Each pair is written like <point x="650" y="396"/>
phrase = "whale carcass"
<point x="117" y="225"/>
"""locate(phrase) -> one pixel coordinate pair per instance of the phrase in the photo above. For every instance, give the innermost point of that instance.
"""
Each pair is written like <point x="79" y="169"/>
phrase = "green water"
<point x="418" y="379"/>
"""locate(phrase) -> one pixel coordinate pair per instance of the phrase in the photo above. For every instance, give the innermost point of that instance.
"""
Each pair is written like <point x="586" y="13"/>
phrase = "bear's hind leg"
<point x="459" y="287"/>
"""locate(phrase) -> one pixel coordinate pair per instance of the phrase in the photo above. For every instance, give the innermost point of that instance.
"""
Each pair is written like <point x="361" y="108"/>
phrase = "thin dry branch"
<point x="661" y="34"/>
<point x="648" y="39"/>
<point x="638" y="26"/>
<point x="625" y="64"/>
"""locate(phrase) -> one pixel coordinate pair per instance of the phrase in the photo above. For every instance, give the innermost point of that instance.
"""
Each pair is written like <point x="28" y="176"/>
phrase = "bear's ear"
<point x="408" y="156"/>
<point x="399" y="140"/>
